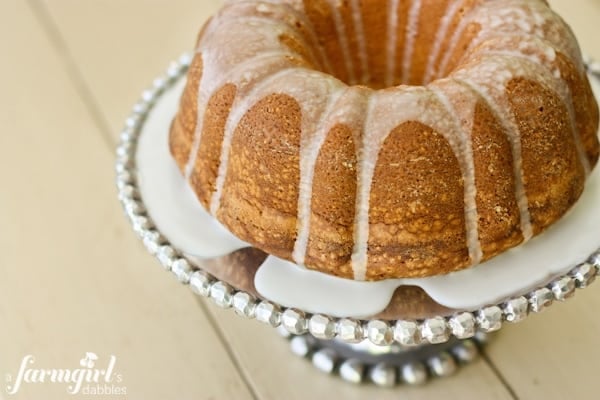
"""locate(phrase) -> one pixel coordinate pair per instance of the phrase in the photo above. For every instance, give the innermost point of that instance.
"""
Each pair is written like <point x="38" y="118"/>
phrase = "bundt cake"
<point x="381" y="139"/>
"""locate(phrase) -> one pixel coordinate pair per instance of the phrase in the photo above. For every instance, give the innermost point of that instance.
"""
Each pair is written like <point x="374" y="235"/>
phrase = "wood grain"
<point x="119" y="47"/>
<point x="275" y="374"/>
<point x="73" y="278"/>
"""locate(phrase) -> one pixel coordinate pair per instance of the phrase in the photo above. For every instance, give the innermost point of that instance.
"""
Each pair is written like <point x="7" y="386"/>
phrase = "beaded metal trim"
<point x="435" y="330"/>
<point x="391" y="366"/>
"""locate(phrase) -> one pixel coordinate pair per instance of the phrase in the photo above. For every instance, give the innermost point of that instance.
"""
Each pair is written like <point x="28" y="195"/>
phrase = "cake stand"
<point x="376" y="350"/>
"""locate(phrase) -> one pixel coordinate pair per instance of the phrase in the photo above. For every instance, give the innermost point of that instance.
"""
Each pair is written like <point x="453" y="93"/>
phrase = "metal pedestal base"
<point x="358" y="363"/>
<point x="386" y="365"/>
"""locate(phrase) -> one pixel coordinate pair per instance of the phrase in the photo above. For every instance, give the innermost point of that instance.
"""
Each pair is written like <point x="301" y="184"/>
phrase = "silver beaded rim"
<point x="414" y="371"/>
<point x="462" y="325"/>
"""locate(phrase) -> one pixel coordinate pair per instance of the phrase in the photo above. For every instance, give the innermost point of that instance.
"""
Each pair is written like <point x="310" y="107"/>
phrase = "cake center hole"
<point x="384" y="46"/>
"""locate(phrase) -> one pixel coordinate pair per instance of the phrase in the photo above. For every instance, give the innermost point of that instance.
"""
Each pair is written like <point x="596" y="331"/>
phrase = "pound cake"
<point x="382" y="139"/>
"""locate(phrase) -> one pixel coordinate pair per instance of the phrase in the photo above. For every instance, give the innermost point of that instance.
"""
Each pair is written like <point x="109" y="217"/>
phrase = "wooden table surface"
<point x="74" y="279"/>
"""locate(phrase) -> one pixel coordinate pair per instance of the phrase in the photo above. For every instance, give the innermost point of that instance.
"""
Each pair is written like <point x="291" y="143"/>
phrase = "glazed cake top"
<point x="263" y="48"/>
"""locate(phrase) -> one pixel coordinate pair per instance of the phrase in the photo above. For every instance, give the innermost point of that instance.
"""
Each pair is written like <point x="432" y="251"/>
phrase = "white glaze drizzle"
<point x="239" y="108"/>
<point x="268" y="61"/>
<point x="172" y="203"/>
<point x="545" y="59"/>
<point x="392" y="32"/>
<point x="409" y="42"/>
<point x="340" y="29"/>
<point x="345" y="110"/>
<point x="360" y="233"/>
<point x="439" y="37"/>
<point x="310" y="147"/>
<point x="528" y="17"/>
<point x="522" y="201"/>
<point x="464" y="152"/>
<point x="385" y="110"/>
<point x="499" y="22"/>
<point x="454" y="39"/>
<point x="359" y="29"/>
<point x="514" y="272"/>
<point x="365" y="172"/>
<point x="489" y="78"/>
<point x="314" y="87"/>
<point x="298" y="10"/>
<point x="262" y="37"/>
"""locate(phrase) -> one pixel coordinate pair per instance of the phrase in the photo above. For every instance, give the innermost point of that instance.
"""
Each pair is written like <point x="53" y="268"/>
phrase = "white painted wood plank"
<point x="73" y="278"/>
<point x="118" y="62"/>
<point x="554" y="355"/>
<point x="121" y="46"/>
<point x="276" y="373"/>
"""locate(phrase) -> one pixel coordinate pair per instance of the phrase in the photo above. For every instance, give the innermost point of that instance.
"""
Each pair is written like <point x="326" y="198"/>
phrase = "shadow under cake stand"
<point x="384" y="352"/>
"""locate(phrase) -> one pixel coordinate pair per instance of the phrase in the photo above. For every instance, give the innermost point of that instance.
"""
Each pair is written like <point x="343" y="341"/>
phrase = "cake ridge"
<point x="486" y="15"/>
<point x="260" y="22"/>
<point x="510" y="126"/>
<point x="562" y="89"/>
<point x="437" y="42"/>
<point x="238" y="110"/>
<point x="528" y="48"/>
<point x="359" y="28"/>
<point x="409" y="41"/>
<point x="342" y="37"/>
<point x="454" y="39"/>
<point x="464" y="154"/>
<point x="398" y="112"/>
<point x="271" y="6"/>
<point x="391" y="43"/>
<point x="512" y="130"/>
<point x="314" y="39"/>
<point x="263" y="64"/>
<point x="271" y="59"/>
<point x="309" y="153"/>
<point x="324" y="57"/>
<point x="209" y="82"/>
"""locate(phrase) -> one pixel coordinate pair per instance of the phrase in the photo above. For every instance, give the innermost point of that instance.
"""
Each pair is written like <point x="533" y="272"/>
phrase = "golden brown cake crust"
<point x="481" y="168"/>
<point x="420" y="229"/>
<point x="553" y="188"/>
<point x="255" y="198"/>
